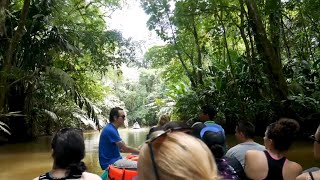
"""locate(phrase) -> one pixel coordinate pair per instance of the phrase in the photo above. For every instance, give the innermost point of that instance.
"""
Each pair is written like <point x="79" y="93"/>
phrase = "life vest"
<point x="116" y="173"/>
<point x="133" y="157"/>
<point x="121" y="173"/>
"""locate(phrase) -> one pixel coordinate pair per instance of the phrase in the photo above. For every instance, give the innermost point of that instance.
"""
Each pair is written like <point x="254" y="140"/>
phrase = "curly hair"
<point x="283" y="133"/>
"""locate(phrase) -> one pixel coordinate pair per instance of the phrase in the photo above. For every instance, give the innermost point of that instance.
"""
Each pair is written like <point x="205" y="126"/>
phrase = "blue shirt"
<point x="108" y="149"/>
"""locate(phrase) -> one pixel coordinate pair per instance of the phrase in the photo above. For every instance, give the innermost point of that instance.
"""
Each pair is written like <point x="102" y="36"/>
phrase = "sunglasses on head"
<point x="63" y="130"/>
<point x="314" y="139"/>
<point x="156" y="135"/>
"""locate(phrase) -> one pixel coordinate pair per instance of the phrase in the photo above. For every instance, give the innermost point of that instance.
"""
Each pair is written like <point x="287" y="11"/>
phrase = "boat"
<point x="136" y="125"/>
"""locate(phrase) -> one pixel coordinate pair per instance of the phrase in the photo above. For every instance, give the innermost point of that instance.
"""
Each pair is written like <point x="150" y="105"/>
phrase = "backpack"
<point x="226" y="171"/>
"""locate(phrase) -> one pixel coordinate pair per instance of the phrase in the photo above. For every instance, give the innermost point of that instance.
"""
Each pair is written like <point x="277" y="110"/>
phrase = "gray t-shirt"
<point x="239" y="151"/>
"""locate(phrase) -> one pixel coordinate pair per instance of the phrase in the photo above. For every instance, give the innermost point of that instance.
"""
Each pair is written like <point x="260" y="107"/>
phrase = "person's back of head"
<point x="196" y="129"/>
<point x="213" y="136"/>
<point x="163" y="119"/>
<point x="209" y="110"/>
<point x="176" y="156"/>
<point x="68" y="150"/>
<point x="283" y="133"/>
<point x="174" y="125"/>
<point x="216" y="143"/>
<point x="245" y="130"/>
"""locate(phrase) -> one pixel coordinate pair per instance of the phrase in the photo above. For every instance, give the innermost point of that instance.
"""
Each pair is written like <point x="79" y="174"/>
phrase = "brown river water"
<point x="29" y="160"/>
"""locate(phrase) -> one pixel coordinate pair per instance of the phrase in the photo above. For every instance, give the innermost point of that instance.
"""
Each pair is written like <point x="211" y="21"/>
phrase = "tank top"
<point x="275" y="167"/>
<point x="47" y="176"/>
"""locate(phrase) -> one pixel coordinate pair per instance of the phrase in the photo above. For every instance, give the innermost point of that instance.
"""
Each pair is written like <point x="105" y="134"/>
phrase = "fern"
<point x="62" y="78"/>
<point x="4" y="127"/>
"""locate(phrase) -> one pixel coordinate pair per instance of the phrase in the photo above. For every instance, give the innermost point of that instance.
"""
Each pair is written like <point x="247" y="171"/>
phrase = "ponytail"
<point x="217" y="150"/>
<point x="76" y="168"/>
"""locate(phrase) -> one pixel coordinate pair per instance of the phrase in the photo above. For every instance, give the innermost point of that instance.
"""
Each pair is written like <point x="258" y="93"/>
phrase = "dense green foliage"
<point x="253" y="60"/>
<point x="51" y="56"/>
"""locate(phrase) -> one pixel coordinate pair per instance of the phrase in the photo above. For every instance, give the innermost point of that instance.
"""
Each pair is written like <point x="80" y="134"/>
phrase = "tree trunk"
<point x="3" y="8"/>
<point x="11" y="46"/>
<point x="242" y="32"/>
<point x="16" y="102"/>
<point x="3" y="37"/>
<point x="273" y="66"/>
<point x="274" y="12"/>
<point x="199" y="54"/>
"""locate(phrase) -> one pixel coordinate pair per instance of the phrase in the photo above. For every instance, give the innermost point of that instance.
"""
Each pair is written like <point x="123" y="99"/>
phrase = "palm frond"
<point x="4" y="128"/>
<point x="64" y="79"/>
<point x="51" y="114"/>
<point x="14" y="113"/>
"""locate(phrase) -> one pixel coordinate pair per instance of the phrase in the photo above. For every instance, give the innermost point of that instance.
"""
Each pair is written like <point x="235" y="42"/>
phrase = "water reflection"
<point x="29" y="160"/>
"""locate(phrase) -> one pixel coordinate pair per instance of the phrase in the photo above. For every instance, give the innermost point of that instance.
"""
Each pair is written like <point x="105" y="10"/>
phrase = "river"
<point x="29" y="160"/>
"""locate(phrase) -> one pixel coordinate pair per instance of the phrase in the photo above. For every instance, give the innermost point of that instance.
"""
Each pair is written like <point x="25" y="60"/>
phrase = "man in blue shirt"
<point x="207" y="114"/>
<point x="111" y="144"/>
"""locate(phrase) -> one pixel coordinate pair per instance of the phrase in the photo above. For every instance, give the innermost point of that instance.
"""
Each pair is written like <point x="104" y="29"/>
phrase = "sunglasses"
<point x="314" y="139"/>
<point x="64" y="130"/>
<point x="155" y="136"/>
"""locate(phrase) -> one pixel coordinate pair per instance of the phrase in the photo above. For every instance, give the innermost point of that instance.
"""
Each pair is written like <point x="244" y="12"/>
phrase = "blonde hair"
<point x="163" y="120"/>
<point x="178" y="156"/>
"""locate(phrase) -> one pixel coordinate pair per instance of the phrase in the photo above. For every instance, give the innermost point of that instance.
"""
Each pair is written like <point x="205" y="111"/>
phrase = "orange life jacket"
<point x="121" y="173"/>
<point x="133" y="157"/>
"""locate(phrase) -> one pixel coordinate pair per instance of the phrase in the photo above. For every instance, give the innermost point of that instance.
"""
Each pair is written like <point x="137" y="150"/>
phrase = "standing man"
<point x="207" y="114"/>
<point x="244" y="134"/>
<point x="111" y="144"/>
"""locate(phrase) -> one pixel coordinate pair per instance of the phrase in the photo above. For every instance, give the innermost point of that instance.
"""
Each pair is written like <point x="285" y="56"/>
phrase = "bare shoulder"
<point x="303" y="176"/>
<point x="254" y="158"/>
<point x="306" y="176"/>
<point x="254" y="154"/>
<point x="295" y="166"/>
<point x="292" y="170"/>
<point x="256" y="166"/>
<point x="90" y="176"/>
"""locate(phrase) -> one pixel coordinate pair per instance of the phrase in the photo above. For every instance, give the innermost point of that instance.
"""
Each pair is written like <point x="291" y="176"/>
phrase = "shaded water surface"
<point x="28" y="160"/>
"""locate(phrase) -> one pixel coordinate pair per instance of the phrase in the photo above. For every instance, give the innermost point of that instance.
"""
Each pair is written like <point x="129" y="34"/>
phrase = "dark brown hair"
<point x="68" y="150"/>
<point x="114" y="112"/>
<point x="247" y="128"/>
<point x="283" y="133"/>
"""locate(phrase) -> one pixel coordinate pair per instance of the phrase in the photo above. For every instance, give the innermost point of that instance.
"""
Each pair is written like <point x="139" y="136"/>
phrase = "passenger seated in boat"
<point x="214" y="137"/>
<point x="164" y="119"/>
<point x="68" y="150"/>
<point x="245" y="136"/>
<point x="175" y="155"/>
<point x="272" y="163"/>
<point x="313" y="173"/>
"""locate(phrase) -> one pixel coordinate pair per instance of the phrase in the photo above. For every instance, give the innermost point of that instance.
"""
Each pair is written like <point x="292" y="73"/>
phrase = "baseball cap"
<point x="213" y="134"/>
